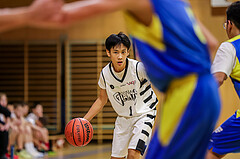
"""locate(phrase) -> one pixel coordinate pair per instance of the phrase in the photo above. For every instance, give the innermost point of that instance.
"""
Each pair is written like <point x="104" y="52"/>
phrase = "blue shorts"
<point x="187" y="119"/>
<point x="226" y="138"/>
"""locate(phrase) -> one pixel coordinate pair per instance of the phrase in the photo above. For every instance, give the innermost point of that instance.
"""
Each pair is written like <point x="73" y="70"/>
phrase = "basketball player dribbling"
<point x="174" y="48"/>
<point x="123" y="81"/>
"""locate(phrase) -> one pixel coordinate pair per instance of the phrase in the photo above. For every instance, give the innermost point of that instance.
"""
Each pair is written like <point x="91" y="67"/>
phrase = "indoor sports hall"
<point x="60" y="68"/>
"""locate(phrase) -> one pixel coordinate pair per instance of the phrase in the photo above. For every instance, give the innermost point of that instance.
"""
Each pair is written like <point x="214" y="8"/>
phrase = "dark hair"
<point x="16" y="105"/>
<point x="24" y="103"/>
<point x="35" y="104"/>
<point x="43" y="121"/>
<point x="233" y="13"/>
<point x="117" y="39"/>
<point x="11" y="103"/>
<point x="2" y="94"/>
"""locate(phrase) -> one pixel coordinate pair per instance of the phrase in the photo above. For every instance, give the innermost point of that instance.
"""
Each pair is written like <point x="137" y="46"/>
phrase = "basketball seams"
<point x="83" y="132"/>
<point x="74" y="132"/>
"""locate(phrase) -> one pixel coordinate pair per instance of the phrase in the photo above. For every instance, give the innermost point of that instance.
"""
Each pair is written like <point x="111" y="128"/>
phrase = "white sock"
<point x="31" y="150"/>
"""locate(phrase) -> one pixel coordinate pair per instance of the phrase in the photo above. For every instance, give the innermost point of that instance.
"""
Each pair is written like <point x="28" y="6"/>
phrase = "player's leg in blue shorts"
<point x="187" y="119"/>
<point x="226" y="138"/>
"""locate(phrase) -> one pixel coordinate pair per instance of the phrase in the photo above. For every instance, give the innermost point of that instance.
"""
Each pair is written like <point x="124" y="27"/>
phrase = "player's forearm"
<point x="220" y="77"/>
<point x="80" y="10"/>
<point x="15" y="14"/>
<point x="12" y="18"/>
<point x="48" y="24"/>
<point x="9" y="26"/>
<point x="95" y="109"/>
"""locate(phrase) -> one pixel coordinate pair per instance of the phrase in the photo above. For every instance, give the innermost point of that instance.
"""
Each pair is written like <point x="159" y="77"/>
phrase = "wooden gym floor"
<point x="91" y="151"/>
<point x="94" y="151"/>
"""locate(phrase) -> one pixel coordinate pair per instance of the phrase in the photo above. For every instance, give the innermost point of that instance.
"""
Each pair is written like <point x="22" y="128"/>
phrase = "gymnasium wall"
<point x="97" y="29"/>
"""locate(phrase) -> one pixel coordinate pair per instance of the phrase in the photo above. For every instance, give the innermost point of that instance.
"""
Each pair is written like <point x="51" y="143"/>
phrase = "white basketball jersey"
<point x="129" y="96"/>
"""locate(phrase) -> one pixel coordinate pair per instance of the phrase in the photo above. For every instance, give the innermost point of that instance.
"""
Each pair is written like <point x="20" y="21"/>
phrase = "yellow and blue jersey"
<point x="226" y="138"/>
<point x="176" y="58"/>
<point x="173" y="46"/>
<point x="235" y="75"/>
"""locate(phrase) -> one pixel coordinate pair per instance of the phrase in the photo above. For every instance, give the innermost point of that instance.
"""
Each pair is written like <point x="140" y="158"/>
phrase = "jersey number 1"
<point x="130" y="108"/>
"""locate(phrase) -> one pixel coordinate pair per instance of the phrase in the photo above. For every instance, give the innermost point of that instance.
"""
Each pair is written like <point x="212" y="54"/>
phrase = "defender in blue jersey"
<point x="173" y="48"/>
<point x="226" y="138"/>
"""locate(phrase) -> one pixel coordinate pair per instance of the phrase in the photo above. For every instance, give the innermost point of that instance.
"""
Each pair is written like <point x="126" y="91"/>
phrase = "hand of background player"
<point x="43" y="9"/>
<point x="46" y="14"/>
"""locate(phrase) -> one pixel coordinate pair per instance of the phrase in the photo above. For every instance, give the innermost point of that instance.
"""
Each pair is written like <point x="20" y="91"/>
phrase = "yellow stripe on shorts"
<point x="177" y="99"/>
<point x="238" y="113"/>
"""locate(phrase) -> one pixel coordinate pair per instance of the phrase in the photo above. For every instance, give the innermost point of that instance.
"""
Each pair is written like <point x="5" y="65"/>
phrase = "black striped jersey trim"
<point x="153" y="104"/>
<point x="148" y="98"/>
<point x="151" y="116"/>
<point x="149" y="124"/>
<point x="104" y="79"/>
<point x="146" y="89"/>
<point x="145" y="133"/>
<point x="125" y="72"/>
<point x="143" y="82"/>
<point x="141" y="146"/>
<point x="137" y="72"/>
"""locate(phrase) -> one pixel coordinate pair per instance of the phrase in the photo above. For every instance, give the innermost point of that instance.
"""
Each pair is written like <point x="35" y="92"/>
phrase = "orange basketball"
<point x="78" y="132"/>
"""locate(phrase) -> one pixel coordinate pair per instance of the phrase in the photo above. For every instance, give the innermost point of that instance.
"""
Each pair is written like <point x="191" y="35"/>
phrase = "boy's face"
<point x="19" y="111"/>
<point x="38" y="111"/>
<point x="3" y="101"/>
<point x="118" y="55"/>
<point x="10" y="107"/>
<point x="25" y="109"/>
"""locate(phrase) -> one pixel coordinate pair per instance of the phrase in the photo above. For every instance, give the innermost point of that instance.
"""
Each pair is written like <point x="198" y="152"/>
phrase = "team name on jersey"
<point x="122" y="97"/>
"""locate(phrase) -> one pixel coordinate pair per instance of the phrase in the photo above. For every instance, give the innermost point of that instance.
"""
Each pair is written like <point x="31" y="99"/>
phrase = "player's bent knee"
<point x="133" y="154"/>
<point x="45" y="130"/>
<point x="217" y="155"/>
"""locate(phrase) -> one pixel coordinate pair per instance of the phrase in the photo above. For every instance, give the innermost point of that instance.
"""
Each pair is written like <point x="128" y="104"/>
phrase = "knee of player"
<point x="37" y="134"/>
<point x="28" y="130"/>
<point x="45" y="130"/>
<point x="15" y="130"/>
<point x="133" y="154"/>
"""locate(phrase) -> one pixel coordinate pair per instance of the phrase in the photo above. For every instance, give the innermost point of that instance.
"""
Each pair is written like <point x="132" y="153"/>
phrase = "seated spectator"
<point x="40" y="133"/>
<point x="38" y="140"/>
<point x="29" y="146"/>
<point x="25" y="109"/>
<point x="18" y="132"/>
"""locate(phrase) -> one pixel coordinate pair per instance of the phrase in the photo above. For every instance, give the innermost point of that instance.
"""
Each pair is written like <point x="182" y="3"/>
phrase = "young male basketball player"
<point x="226" y="138"/>
<point x="123" y="81"/>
